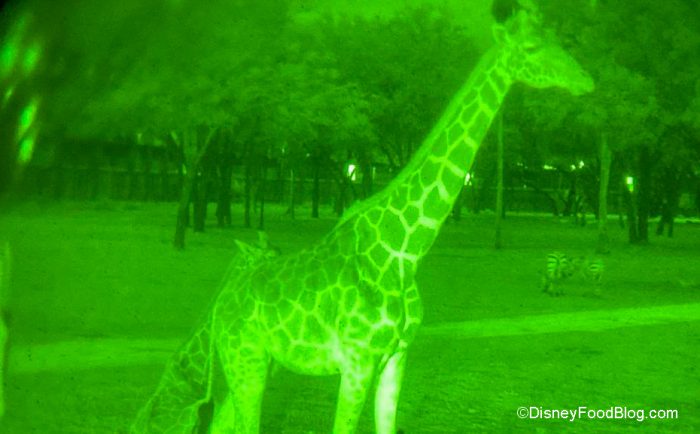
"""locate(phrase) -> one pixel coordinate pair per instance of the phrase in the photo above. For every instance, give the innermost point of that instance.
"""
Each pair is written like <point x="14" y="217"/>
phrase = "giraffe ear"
<point x="500" y="34"/>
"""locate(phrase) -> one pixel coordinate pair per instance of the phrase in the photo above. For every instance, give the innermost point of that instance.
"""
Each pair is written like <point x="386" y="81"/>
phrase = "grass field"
<point x="100" y="299"/>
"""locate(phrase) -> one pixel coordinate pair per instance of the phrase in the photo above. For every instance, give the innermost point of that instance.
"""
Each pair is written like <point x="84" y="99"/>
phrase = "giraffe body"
<point x="349" y="305"/>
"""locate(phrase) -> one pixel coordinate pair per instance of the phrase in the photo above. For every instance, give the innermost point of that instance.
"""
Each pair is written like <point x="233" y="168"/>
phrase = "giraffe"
<point x="349" y="304"/>
<point x="184" y="391"/>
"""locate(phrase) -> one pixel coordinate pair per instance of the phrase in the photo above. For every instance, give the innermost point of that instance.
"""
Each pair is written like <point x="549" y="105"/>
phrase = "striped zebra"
<point x="557" y="268"/>
<point x="4" y="296"/>
<point x="591" y="270"/>
<point x="560" y="267"/>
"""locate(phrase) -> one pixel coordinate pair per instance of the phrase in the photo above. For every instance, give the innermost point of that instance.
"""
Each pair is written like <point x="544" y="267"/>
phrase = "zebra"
<point x="558" y="267"/>
<point x="4" y="296"/>
<point x="591" y="269"/>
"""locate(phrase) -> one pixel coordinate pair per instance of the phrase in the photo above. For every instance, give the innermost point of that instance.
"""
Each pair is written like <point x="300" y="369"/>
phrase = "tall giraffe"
<point x="349" y="305"/>
<point x="184" y="390"/>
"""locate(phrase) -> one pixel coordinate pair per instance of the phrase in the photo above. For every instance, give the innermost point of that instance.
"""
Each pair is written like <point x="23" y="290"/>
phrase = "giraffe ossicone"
<point x="349" y="304"/>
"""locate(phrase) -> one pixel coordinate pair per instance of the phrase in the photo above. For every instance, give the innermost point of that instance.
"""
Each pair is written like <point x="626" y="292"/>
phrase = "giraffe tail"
<point x="206" y="407"/>
<point x="183" y="400"/>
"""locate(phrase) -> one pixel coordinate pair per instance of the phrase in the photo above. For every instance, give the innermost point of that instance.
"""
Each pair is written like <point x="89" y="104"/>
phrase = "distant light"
<point x="548" y="167"/>
<point x="10" y="50"/>
<point x="467" y="178"/>
<point x="26" y="149"/>
<point x="26" y="118"/>
<point x="351" y="172"/>
<point x="630" y="183"/>
<point x="573" y="167"/>
<point x="580" y="164"/>
<point x="7" y="95"/>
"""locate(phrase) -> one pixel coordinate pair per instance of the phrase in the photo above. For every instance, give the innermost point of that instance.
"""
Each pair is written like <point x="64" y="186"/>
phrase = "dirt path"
<point x="115" y="352"/>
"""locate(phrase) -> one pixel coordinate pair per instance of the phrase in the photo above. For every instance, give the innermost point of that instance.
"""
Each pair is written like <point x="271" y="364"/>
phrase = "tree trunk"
<point x="292" y="195"/>
<point x="643" y="194"/>
<point x="192" y="157"/>
<point x="367" y="182"/>
<point x="247" y="189"/>
<point x="199" y="202"/>
<point x="605" y="161"/>
<point x="631" y="206"/>
<point x="499" y="183"/>
<point x="342" y="183"/>
<point x="223" y="204"/>
<point x="183" y="210"/>
<point x="339" y="204"/>
<point x="316" y="194"/>
<point x="621" y="204"/>
<point x="670" y="199"/>
<point x="262" y="185"/>
<point x="164" y="190"/>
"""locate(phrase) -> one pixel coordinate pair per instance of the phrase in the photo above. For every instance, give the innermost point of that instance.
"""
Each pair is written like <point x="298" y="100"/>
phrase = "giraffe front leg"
<point x="354" y="386"/>
<point x="245" y="368"/>
<point x="386" y="398"/>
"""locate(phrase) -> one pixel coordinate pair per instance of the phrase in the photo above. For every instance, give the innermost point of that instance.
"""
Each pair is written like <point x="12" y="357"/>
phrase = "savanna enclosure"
<point x="540" y="159"/>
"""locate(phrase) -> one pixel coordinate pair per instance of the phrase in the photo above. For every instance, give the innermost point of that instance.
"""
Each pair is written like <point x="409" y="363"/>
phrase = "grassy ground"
<point x="87" y="274"/>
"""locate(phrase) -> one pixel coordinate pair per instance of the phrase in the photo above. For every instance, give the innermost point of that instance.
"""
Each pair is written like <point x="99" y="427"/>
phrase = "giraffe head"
<point x="535" y="58"/>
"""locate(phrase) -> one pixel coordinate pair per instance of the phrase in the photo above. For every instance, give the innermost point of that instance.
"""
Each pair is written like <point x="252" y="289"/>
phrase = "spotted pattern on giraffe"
<point x="358" y="315"/>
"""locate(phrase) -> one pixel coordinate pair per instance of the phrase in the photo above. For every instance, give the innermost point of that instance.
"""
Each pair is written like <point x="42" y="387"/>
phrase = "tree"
<point x="499" y="187"/>
<point x="642" y="74"/>
<point x="185" y="88"/>
<point x="419" y="57"/>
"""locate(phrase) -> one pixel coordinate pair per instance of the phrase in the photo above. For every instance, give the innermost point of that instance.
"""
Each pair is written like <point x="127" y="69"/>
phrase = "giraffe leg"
<point x="354" y="386"/>
<point x="386" y="399"/>
<point x="245" y="368"/>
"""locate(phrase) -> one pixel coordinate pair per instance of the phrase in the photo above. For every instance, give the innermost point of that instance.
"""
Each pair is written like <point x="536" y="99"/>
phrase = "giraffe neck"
<point x="409" y="213"/>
